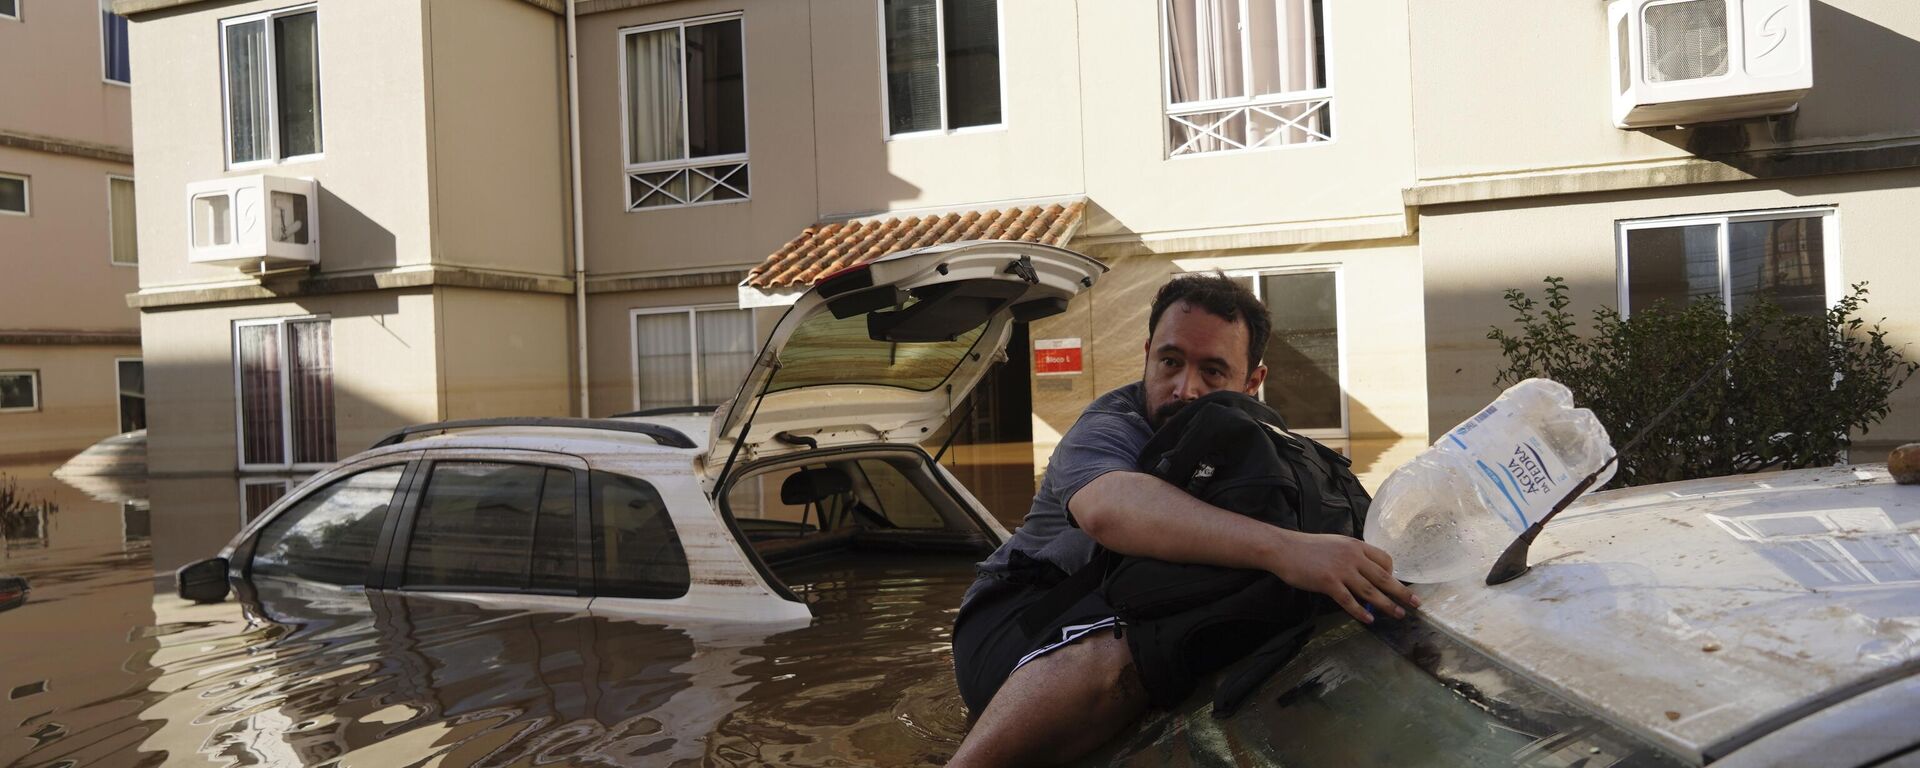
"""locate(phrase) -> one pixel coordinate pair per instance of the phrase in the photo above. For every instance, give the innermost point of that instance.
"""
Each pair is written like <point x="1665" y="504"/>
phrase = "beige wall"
<point x="1035" y="154"/>
<point x="780" y="146"/>
<point x="1139" y="190"/>
<point x="58" y="274"/>
<point x="503" y="354"/>
<point x="55" y="83"/>
<point x="78" y="400"/>
<point x="1473" y="252"/>
<point x="498" y="127"/>
<point x="373" y="175"/>
<point x="385" y="373"/>
<point x="1540" y="98"/>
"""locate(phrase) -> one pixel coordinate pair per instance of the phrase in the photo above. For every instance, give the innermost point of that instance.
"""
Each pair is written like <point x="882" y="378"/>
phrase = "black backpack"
<point x="1233" y="452"/>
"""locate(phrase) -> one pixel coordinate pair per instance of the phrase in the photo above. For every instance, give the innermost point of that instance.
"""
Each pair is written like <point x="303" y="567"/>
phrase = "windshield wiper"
<point x="1513" y="562"/>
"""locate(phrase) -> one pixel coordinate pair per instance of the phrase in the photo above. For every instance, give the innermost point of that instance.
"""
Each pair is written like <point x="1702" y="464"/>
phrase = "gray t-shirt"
<point x="1107" y="438"/>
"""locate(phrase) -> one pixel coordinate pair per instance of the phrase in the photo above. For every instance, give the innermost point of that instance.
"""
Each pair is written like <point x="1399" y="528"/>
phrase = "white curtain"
<point x="247" y="85"/>
<point x="726" y="352"/>
<point x="665" y="357"/>
<point x="1212" y="50"/>
<point x="655" y="128"/>
<point x="120" y="205"/>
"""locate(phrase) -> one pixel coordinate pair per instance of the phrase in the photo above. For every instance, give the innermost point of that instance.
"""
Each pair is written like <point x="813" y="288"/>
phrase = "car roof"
<point x="1697" y="613"/>
<point x="573" y="439"/>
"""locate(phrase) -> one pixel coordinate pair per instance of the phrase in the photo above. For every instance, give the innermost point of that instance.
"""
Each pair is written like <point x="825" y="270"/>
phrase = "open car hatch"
<point x="884" y="352"/>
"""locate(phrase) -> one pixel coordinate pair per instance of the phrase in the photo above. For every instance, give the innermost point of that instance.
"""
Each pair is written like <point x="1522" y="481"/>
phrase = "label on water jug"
<point x="1517" y="474"/>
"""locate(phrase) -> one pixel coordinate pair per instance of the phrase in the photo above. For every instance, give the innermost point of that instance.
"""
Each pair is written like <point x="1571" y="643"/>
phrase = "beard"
<point x="1166" y="411"/>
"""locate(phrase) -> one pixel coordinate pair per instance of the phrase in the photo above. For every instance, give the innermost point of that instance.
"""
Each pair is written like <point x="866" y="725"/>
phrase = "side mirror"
<point x="204" y="581"/>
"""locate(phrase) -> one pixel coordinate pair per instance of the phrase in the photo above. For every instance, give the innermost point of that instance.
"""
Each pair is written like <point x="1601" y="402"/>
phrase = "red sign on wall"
<point x="1056" y="357"/>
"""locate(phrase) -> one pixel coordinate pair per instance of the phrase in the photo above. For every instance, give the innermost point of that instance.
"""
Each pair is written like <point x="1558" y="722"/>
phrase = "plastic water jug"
<point x="1449" y="512"/>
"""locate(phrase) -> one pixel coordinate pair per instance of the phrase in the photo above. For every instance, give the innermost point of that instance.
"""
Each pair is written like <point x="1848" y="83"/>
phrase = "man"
<point x="1058" y="693"/>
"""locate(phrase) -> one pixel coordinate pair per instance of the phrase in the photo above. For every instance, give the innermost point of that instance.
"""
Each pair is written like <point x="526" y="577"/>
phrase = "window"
<point x="283" y="372"/>
<point x="10" y="9"/>
<point x="259" y="493"/>
<point x="19" y="391"/>
<point x="487" y="526"/>
<point x="115" y="66"/>
<point x="329" y="536"/>
<point x="1305" y="356"/>
<point x="635" y="550"/>
<point x="130" y="377"/>
<point x="1736" y="260"/>
<point x="685" y="108"/>
<point x="1245" y="74"/>
<point x="124" y="242"/>
<point x="943" y="64"/>
<point x="13" y="195"/>
<point x="695" y="356"/>
<point x="270" y="63"/>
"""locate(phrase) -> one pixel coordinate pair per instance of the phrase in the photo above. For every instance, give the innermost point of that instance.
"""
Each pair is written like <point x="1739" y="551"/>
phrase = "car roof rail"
<point x="667" y="436"/>
<point x="671" y="410"/>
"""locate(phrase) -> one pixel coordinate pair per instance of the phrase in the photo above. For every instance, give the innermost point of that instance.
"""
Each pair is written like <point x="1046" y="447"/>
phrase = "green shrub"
<point x="1791" y="396"/>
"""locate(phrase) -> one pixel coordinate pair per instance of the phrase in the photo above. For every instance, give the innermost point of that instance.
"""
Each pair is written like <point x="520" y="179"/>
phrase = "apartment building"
<point x="1368" y="167"/>
<point x="70" y="365"/>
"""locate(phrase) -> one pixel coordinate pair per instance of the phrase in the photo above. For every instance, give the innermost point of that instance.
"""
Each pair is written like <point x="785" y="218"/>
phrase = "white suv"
<point x="665" y="514"/>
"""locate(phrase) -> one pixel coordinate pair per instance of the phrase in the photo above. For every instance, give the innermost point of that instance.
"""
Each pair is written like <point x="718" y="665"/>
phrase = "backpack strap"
<point x="1297" y="448"/>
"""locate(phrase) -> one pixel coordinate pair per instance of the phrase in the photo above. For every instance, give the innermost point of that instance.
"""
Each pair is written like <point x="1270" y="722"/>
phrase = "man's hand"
<point x="1352" y="572"/>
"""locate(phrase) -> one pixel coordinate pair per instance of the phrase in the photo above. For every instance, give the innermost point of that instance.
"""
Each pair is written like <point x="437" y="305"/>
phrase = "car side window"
<point x="329" y="536"/>
<point x="635" y="550"/>
<point x="494" y="526"/>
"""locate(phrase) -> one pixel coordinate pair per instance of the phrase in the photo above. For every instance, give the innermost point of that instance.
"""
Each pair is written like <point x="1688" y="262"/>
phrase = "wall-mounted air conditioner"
<point x="1691" y="61"/>
<point x="263" y="222"/>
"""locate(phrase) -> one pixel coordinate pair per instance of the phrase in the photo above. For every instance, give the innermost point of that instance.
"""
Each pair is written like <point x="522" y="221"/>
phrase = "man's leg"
<point x="1059" y="706"/>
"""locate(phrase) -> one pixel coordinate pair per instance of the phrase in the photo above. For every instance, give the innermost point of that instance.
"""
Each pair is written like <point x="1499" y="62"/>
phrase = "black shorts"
<point x="1171" y="650"/>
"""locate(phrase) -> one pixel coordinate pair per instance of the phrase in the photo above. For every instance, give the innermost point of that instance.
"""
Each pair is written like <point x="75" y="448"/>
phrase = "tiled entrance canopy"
<point x="829" y="246"/>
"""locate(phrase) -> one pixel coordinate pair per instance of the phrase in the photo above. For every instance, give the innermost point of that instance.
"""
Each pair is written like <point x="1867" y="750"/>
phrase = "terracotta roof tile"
<point x="826" y="247"/>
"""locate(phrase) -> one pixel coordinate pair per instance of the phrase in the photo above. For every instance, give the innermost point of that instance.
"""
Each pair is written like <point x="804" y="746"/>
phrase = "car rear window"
<point x="830" y="350"/>
<point x="635" y="550"/>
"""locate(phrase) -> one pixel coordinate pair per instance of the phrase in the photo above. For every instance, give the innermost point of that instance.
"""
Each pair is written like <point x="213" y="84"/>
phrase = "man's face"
<point x="1194" y="352"/>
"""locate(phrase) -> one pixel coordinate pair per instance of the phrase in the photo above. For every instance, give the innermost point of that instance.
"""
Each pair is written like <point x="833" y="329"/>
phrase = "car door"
<point x="495" y="527"/>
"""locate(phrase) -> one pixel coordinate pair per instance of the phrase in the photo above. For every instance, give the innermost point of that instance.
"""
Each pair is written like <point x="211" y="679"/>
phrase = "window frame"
<point x="112" y="177"/>
<point x="1829" y="216"/>
<point x="693" y="340"/>
<point x="273" y="157"/>
<point x="1342" y="359"/>
<point x="940" y="44"/>
<point x="104" y="75"/>
<point x="286" y="404"/>
<point x="33" y="375"/>
<point x="1326" y="92"/>
<point x="392" y="572"/>
<point x="686" y="162"/>
<point x="18" y="12"/>
<point x="119" y="387"/>
<point x="26" y="194"/>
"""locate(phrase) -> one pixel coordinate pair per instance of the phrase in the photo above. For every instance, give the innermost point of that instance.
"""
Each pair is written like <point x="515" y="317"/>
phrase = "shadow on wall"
<point x="1855" y="95"/>
<point x="350" y="239"/>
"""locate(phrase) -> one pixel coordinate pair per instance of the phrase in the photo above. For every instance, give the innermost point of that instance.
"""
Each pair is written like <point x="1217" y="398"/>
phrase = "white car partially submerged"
<point x="638" y="515"/>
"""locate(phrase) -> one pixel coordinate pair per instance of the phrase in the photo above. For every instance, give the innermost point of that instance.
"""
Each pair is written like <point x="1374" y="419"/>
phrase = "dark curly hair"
<point x="1222" y="297"/>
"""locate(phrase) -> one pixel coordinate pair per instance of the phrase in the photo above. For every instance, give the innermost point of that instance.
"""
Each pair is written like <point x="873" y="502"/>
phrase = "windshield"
<point x="1402" y="695"/>
<point x="829" y="350"/>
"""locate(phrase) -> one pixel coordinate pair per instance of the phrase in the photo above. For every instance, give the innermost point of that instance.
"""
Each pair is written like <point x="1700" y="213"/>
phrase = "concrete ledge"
<point x="1745" y="166"/>
<point x="58" y="146"/>
<point x="729" y="278"/>
<point x="1384" y="227"/>
<point x="70" y="337"/>
<point x="131" y="7"/>
<point x="295" y="285"/>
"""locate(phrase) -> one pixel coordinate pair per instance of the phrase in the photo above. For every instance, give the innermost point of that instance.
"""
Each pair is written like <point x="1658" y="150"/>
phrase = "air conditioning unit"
<point x="1692" y="61"/>
<point x="268" y="222"/>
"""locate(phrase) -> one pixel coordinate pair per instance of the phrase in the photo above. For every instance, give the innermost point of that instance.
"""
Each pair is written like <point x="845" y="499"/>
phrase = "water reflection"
<point x="96" y="669"/>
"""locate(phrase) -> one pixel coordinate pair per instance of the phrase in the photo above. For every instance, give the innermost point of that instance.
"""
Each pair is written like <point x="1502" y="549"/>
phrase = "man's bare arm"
<point x="1134" y="513"/>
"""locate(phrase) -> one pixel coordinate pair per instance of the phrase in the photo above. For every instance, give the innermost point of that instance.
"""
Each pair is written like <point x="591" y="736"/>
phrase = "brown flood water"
<point x="104" y="666"/>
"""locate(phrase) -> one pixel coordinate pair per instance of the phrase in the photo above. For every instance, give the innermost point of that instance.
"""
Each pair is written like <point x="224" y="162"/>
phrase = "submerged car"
<point x="685" y="513"/>
<point x="1739" y="621"/>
